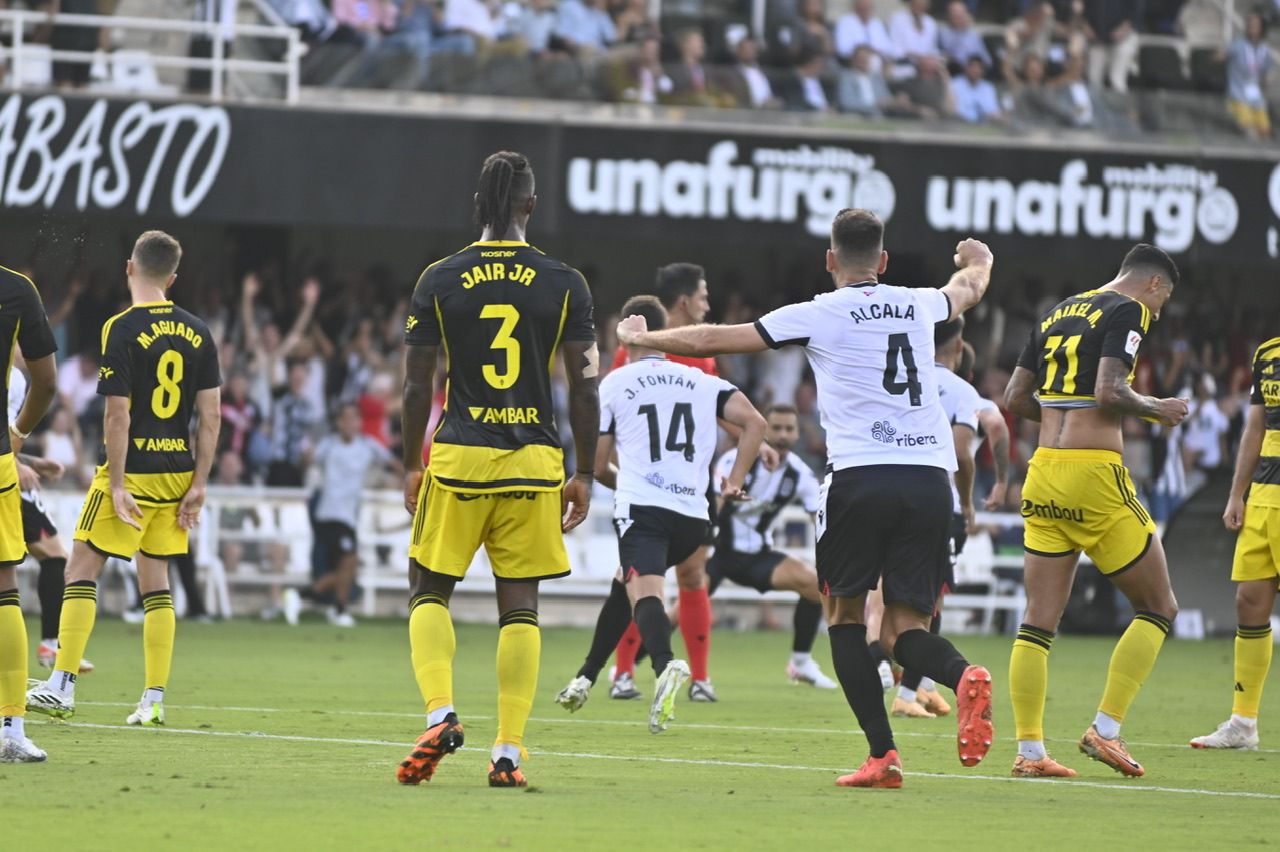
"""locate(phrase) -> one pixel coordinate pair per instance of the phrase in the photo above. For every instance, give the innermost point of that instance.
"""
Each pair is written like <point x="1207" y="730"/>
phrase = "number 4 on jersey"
<point x="900" y="349"/>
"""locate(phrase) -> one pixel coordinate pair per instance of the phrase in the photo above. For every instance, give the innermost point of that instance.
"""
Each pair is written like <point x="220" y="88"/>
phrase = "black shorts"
<point x="651" y="540"/>
<point x="890" y="520"/>
<point x="753" y="570"/>
<point x="333" y="540"/>
<point x="36" y="523"/>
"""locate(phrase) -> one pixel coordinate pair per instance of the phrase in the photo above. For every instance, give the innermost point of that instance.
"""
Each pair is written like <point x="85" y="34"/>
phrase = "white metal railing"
<point x="218" y="64"/>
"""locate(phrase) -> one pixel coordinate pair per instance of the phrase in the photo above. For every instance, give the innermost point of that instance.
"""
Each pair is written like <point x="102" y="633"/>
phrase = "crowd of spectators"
<point x="1054" y="63"/>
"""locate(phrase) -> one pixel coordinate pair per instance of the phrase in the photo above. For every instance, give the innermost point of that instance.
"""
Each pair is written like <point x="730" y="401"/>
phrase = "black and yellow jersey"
<point x="1069" y="342"/>
<point x="22" y="322"/>
<point x="499" y="310"/>
<point x="159" y="356"/>
<point x="1265" y="490"/>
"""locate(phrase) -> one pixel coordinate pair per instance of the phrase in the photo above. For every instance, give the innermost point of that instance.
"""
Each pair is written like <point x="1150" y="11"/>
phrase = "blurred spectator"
<point x="861" y="27"/>
<point x="1073" y="93"/>
<point x="78" y="390"/>
<point x="1248" y="63"/>
<point x="241" y="421"/>
<point x="268" y="351"/>
<point x="1111" y="28"/>
<point x="536" y="24"/>
<point x="1035" y="102"/>
<point x="642" y="78"/>
<point x="812" y="445"/>
<point x="930" y="89"/>
<point x="804" y="90"/>
<point x="814" y="27"/>
<point x="690" y="84"/>
<point x="976" y="100"/>
<point x="378" y="405"/>
<point x="68" y="74"/>
<point x="467" y="27"/>
<point x="222" y="14"/>
<point x="365" y="19"/>
<point x="744" y="80"/>
<point x="1204" y="441"/>
<point x="585" y="25"/>
<point x="310" y="17"/>
<point x="914" y="32"/>
<point x="633" y="22"/>
<point x="861" y="88"/>
<point x="1030" y="34"/>
<point x="61" y="443"/>
<point x="412" y="34"/>
<point x="294" y="423"/>
<point x="959" y="40"/>
<point x="234" y="518"/>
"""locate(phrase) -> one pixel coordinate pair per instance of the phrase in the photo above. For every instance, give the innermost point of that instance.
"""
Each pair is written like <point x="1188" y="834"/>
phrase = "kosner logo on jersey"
<point x="802" y="184"/>
<point x="1167" y="204"/>
<point x="92" y="163"/>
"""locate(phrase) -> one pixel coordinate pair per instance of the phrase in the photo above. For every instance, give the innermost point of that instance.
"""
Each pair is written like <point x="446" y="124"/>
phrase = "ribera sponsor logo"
<point x="36" y="167"/>
<point x="1168" y="204"/>
<point x="807" y="185"/>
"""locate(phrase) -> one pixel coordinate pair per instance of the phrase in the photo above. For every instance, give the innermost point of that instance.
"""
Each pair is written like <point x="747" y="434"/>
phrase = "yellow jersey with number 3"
<point x="499" y="310"/>
<point x="159" y="356"/>
<point x="1069" y="342"/>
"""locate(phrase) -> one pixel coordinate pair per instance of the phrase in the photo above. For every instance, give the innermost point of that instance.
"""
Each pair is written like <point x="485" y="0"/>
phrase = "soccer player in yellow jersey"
<point x="1257" y="560"/>
<point x="159" y="365"/>
<point x="500" y="310"/>
<point x="1073" y="377"/>
<point x="22" y="322"/>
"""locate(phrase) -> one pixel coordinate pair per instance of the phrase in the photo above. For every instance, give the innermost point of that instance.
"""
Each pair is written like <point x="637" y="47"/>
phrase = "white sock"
<point x="501" y="750"/>
<point x="50" y="643"/>
<point x="1108" y="728"/>
<point x="799" y="658"/>
<point x="1032" y="749"/>
<point x="1244" y="723"/>
<point x="907" y="695"/>
<point x="63" y="683"/>
<point x="435" y="717"/>
<point x="927" y="685"/>
<point x="13" y="728"/>
<point x="153" y="695"/>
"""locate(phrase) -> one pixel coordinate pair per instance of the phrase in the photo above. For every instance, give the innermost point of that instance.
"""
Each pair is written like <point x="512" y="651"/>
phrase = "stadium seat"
<point x="1208" y="71"/>
<point x="36" y="70"/>
<point x="1160" y="67"/>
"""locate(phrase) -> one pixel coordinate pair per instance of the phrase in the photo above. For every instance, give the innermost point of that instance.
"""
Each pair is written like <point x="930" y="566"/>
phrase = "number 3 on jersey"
<point x="504" y="342"/>
<point x="167" y="396"/>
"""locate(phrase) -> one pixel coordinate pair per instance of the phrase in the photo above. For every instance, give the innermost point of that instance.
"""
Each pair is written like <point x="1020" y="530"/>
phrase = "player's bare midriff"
<point x="1080" y="429"/>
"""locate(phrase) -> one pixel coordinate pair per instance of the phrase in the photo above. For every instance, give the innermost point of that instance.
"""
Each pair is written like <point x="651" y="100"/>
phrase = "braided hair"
<point x="506" y="183"/>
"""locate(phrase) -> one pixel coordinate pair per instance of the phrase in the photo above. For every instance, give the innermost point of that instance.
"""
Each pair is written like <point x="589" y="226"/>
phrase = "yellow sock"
<point x="1131" y="662"/>
<point x="158" y="627"/>
<point x="432" y="643"/>
<point x="79" y="609"/>
<point x="1253" y="661"/>
<point x="1029" y="680"/>
<point x="519" y="651"/>
<point x="13" y="656"/>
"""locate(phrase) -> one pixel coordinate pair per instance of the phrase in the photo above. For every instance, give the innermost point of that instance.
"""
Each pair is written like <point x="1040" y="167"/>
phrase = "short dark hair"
<point x="945" y="332"/>
<point x="781" y="408"/>
<point x="156" y="254"/>
<point x="677" y="279"/>
<point x="655" y="316"/>
<point x="857" y="236"/>
<point x="1150" y="260"/>
<point x="968" y="357"/>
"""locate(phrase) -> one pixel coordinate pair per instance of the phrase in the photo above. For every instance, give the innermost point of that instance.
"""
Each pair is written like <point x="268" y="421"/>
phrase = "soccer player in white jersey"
<point x="885" y="506"/>
<point x="662" y="418"/>
<point x="744" y="547"/>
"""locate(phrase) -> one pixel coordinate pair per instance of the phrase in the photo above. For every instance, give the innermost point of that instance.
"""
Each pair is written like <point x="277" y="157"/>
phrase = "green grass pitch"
<point x="284" y="738"/>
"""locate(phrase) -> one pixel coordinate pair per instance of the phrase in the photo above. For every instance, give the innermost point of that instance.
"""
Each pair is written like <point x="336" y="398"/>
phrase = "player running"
<point x="744" y="547"/>
<point x="662" y="417"/>
<point x="1073" y="378"/>
<point x="40" y="533"/>
<point x="22" y="323"/>
<point x="1257" y="559"/>
<point x="500" y="309"/>
<point x="159" y="367"/>
<point x="884" y="506"/>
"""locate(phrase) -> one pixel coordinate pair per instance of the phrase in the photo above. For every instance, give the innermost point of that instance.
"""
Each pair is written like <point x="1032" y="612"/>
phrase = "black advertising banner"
<point x="306" y="167"/>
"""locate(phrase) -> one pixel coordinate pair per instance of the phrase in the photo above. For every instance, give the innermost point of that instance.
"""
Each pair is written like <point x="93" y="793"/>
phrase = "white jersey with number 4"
<point x="871" y="349"/>
<point x="663" y="419"/>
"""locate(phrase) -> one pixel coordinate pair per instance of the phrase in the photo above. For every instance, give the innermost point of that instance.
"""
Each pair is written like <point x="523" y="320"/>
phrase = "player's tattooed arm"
<point x="581" y="365"/>
<point x="415" y="412"/>
<point x="693" y="340"/>
<point x="1020" y="395"/>
<point x="1113" y="395"/>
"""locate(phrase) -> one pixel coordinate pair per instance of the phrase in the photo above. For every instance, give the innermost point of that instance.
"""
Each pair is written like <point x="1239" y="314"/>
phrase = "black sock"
<point x="805" y="624"/>
<point x="655" y="631"/>
<point x="878" y="653"/>
<point x="856" y="671"/>
<point x="52" y="578"/>
<point x="186" y="566"/>
<point x="931" y="656"/>
<point x="614" y="617"/>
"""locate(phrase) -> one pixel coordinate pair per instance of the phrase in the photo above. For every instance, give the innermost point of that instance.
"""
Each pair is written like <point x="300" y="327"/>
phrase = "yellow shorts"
<point x="1076" y="500"/>
<point x="520" y="530"/>
<point x="1258" y="547"/>
<point x="159" y="538"/>
<point x="13" y="548"/>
